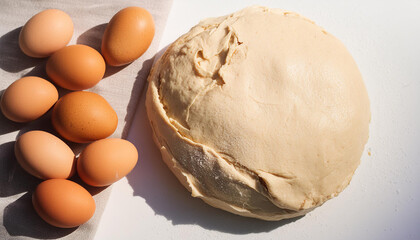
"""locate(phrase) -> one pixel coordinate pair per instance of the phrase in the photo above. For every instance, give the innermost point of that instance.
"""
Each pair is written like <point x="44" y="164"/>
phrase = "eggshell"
<point x="44" y="155"/>
<point x="76" y="67"/>
<point x="106" y="161"/>
<point x="63" y="203"/>
<point x="84" y="117"/>
<point x="127" y="36"/>
<point x="46" y="33"/>
<point x="28" y="99"/>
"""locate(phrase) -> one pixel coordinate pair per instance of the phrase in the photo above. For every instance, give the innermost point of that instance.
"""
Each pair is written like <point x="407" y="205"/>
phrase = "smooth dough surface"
<point x="261" y="113"/>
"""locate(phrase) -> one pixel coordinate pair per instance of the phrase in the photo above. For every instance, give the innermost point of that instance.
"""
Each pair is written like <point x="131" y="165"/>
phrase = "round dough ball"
<point x="261" y="113"/>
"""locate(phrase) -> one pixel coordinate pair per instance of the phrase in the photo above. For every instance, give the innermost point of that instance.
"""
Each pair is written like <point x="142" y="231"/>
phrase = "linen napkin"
<point x="121" y="87"/>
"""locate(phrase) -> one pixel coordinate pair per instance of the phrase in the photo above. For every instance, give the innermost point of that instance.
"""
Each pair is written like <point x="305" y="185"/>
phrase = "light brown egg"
<point x="63" y="203"/>
<point x="28" y="99"/>
<point x="46" y="33"/>
<point x="106" y="161"/>
<point x="44" y="155"/>
<point x="76" y="67"/>
<point x="127" y="36"/>
<point x="84" y="117"/>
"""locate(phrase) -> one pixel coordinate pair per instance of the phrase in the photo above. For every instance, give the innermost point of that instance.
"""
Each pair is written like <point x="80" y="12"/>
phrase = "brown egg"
<point x="44" y="155"/>
<point x="63" y="203"/>
<point x="28" y="99"/>
<point x="106" y="161"/>
<point x="46" y="33"/>
<point x="76" y="67"/>
<point x="84" y="117"/>
<point x="127" y="36"/>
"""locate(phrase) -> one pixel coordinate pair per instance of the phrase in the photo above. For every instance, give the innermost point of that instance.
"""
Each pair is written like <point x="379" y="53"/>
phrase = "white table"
<point x="381" y="201"/>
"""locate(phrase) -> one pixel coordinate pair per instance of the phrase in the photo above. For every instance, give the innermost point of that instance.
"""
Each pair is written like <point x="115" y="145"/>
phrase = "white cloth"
<point x="121" y="87"/>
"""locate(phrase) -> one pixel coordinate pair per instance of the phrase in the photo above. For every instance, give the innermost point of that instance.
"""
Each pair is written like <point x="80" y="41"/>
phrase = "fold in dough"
<point x="261" y="113"/>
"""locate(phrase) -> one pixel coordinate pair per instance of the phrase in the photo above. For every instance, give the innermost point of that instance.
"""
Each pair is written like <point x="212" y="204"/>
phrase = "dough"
<point x="261" y="113"/>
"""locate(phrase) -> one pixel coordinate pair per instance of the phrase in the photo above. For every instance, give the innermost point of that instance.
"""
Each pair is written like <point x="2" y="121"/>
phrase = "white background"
<point x="383" y="197"/>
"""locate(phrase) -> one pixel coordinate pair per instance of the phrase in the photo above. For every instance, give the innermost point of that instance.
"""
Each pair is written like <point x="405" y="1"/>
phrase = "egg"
<point x="83" y="117"/>
<point x="106" y="161"/>
<point x="76" y="67"/>
<point x="44" y="155"/>
<point x="63" y="203"/>
<point x="28" y="99"/>
<point x="45" y="33"/>
<point x="127" y="36"/>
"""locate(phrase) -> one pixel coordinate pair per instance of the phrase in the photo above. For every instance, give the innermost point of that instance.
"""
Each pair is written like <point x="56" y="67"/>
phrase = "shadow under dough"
<point x="138" y="90"/>
<point x="12" y="58"/>
<point x="20" y="219"/>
